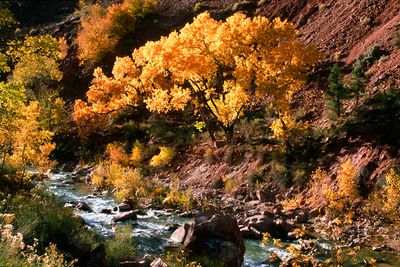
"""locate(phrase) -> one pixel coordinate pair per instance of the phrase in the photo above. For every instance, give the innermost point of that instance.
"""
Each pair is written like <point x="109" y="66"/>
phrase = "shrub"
<point x="229" y="185"/>
<point x="121" y="246"/>
<point x="165" y="157"/>
<point x="40" y="215"/>
<point x="347" y="181"/>
<point x="177" y="198"/>
<point x="391" y="192"/>
<point x="198" y="8"/>
<point x="385" y="202"/>
<point x="367" y="59"/>
<point x="208" y="155"/>
<point x="116" y="153"/>
<point x="365" y="21"/>
<point x="136" y="156"/>
<point x="14" y="252"/>
<point x="279" y="173"/>
<point x="128" y="182"/>
<point x="342" y="197"/>
<point x="288" y="131"/>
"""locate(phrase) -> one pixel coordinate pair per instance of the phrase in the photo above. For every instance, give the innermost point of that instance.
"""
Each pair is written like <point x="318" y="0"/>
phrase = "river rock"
<point x="68" y="182"/>
<point x="262" y="223"/>
<point x="213" y="235"/>
<point x="124" y="207"/>
<point x="106" y="211"/>
<point x="84" y="207"/>
<point x="124" y="216"/>
<point x="250" y="232"/>
<point x="179" y="235"/>
<point x="69" y="205"/>
<point x="158" y="263"/>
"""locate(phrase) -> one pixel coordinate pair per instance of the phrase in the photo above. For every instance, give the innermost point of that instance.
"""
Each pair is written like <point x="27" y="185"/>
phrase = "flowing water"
<point x="150" y="232"/>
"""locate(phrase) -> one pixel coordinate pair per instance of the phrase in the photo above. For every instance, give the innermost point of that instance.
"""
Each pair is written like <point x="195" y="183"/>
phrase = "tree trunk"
<point x="23" y="166"/>
<point x="209" y="129"/>
<point x="229" y="134"/>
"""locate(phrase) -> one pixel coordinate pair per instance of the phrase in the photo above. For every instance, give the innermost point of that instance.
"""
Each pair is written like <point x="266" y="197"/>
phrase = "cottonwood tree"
<point x="218" y="68"/>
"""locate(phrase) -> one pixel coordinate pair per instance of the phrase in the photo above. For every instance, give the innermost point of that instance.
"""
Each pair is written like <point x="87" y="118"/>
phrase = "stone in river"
<point x="124" y="216"/>
<point x="84" y="207"/>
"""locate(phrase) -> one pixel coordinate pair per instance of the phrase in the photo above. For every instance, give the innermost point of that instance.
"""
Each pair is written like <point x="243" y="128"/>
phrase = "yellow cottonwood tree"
<point x="217" y="67"/>
<point x="31" y="143"/>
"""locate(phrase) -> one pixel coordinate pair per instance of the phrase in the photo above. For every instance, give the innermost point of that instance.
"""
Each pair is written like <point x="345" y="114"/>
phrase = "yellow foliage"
<point x="128" y="182"/>
<point x="392" y="192"/>
<point x="219" y="67"/>
<point x="14" y="247"/>
<point x="287" y="130"/>
<point x="136" y="156"/>
<point x="31" y="143"/>
<point x="102" y="28"/>
<point x="178" y="199"/>
<point x="116" y="153"/>
<point x="165" y="156"/>
<point x="229" y="185"/>
<point x="347" y="181"/>
<point x="386" y="201"/>
<point x="293" y="203"/>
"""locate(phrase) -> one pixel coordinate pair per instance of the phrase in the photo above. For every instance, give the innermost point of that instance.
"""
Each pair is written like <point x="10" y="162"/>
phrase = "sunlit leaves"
<point x="33" y="69"/>
<point x="103" y="28"/>
<point x="219" y="67"/>
<point x="32" y="144"/>
<point x="43" y="45"/>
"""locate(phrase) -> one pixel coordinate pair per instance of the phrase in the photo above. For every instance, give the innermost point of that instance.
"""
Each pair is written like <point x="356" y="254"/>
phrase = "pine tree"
<point x="336" y="92"/>
<point x="357" y="87"/>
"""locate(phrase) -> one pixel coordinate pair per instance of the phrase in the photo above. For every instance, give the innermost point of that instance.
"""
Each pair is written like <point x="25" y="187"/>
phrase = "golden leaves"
<point x="218" y="66"/>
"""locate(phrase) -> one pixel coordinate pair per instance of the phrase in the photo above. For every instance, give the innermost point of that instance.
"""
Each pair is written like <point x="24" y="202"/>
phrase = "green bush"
<point x="120" y="247"/>
<point x="366" y="60"/>
<point x="40" y="215"/>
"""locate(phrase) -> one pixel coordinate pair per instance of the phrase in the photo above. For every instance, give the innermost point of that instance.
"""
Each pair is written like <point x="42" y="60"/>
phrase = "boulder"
<point x="179" y="235"/>
<point x="158" y="263"/>
<point x="80" y="251"/>
<point x="213" y="235"/>
<point x="84" y="207"/>
<point x="124" y="207"/>
<point x="250" y="232"/>
<point x="263" y="223"/>
<point x="124" y="216"/>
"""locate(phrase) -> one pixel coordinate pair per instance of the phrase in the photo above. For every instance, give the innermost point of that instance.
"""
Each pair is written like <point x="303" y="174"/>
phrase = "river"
<point x="151" y="231"/>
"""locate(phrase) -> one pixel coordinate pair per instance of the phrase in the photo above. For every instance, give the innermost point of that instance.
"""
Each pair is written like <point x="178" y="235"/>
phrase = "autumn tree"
<point x="102" y="28"/>
<point x="29" y="108"/>
<point x="22" y="136"/>
<point x="12" y="99"/>
<point x="218" y="68"/>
